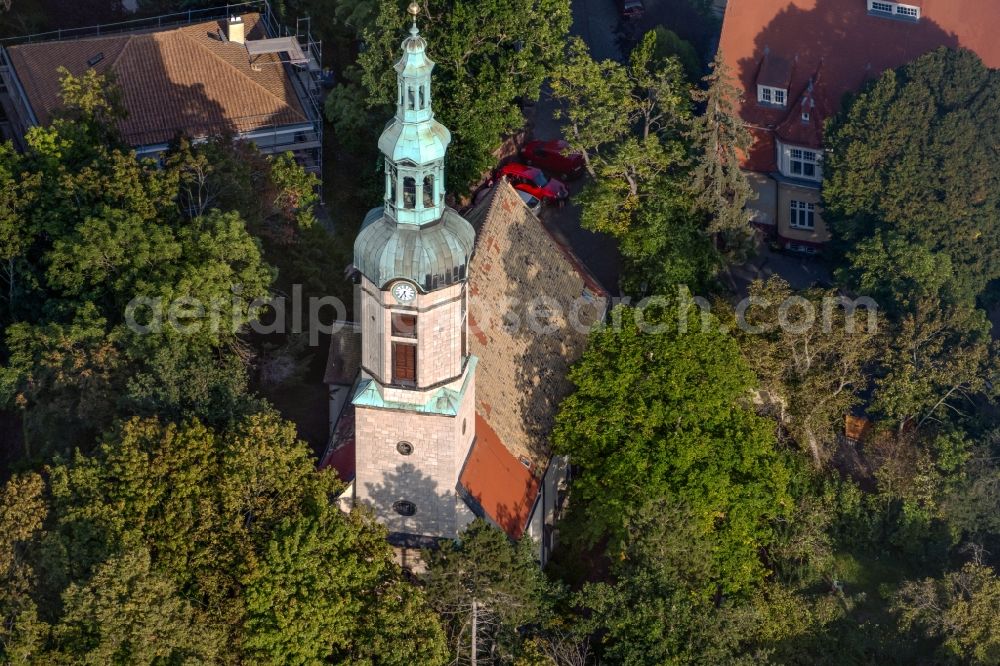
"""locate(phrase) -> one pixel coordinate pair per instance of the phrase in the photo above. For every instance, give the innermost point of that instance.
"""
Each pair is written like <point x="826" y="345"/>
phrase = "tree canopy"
<point x="910" y="185"/>
<point x="491" y="57"/>
<point x="86" y="229"/>
<point x="228" y="545"/>
<point x="665" y="415"/>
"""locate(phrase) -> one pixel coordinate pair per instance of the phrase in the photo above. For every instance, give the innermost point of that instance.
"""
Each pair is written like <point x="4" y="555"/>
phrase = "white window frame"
<point x="803" y="215"/>
<point x="794" y="160"/>
<point x="800" y="247"/>
<point x="770" y="96"/>
<point x="894" y="9"/>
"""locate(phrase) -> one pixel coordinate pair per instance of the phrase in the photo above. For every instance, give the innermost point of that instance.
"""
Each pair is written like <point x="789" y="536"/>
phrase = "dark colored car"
<point x="554" y="156"/>
<point x="631" y="8"/>
<point x="534" y="182"/>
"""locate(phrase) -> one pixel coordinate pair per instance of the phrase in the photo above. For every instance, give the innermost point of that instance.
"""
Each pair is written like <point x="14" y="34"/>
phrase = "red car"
<point x="631" y="8"/>
<point x="534" y="182"/>
<point x="554" y="156"/>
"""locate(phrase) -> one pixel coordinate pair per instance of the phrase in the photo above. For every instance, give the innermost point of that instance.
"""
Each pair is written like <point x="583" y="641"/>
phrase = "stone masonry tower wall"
<point x="415" y="402"/>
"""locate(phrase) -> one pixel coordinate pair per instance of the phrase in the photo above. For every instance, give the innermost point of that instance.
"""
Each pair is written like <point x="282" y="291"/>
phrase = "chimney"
<point x="236" y="33"/>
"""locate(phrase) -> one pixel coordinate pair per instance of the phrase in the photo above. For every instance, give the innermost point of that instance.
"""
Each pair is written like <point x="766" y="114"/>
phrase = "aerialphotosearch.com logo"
<point x="187" y="315"/>
<point x="542" y="315"/>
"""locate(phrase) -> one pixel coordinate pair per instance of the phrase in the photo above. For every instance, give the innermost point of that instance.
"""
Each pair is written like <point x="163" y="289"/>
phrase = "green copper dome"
<point x="414" y="236"/>
<point x="432" y="256"/>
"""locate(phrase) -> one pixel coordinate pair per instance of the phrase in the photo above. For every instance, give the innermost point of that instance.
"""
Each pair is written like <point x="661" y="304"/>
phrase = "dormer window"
<point x="893" y="10"/>
<point x="771" y="96"/>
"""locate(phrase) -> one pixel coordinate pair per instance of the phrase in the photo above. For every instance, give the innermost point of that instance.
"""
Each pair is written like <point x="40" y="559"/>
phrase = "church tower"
<point x="415" y="403"/>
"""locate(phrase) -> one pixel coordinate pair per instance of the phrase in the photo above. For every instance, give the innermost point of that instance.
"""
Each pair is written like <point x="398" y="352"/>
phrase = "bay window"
<point x="804" y="163"/>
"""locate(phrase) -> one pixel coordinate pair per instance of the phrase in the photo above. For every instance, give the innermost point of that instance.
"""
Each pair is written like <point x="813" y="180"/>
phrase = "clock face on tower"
<point x="404" y="292"/>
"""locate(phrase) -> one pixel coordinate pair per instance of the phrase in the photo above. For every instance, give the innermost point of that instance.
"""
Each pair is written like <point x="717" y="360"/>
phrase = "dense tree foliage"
<point x="811" y="343"/>
<point x="491" y="57"/>
<point x="665" y="415"/>
<point x="86" y="228"/>
<point x="227" y="547"/>
<point x="486" y="590"/>
<point x="665" y="181"/>
<point x="720" y="137"/>
<point x="910" y="183"/>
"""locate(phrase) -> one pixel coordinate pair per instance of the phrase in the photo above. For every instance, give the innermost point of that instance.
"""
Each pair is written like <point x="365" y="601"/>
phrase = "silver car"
<point x="532" y="202"/>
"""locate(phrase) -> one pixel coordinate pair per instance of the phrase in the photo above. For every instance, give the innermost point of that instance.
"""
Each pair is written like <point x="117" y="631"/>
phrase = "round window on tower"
<point x="404" y="508"/>
<point x="404" y="448"/>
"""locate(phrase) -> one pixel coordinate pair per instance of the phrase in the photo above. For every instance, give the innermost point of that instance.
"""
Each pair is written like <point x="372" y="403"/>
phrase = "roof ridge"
<point x="128" y="43"/>
<point x="243" y="75"/>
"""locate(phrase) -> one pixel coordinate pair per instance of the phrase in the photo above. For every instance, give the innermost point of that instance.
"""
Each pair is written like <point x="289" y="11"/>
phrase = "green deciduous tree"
<point x="962" y="610"/>
<point x="632" y="122"/>
<point x="941" y="355"/>
<point x="596" y="97"/>
<point x="665" y="415"/>
<point x="811" y="351"/>
<point x="128" y="613"/>
<point x="178" y="542"/>
<point x="86" y="228"/>
<point x="490" y="57"/>
<point x="22" y="513"/>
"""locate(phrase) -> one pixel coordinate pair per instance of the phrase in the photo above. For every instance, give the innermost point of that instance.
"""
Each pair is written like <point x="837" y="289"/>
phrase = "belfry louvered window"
<point x="429" y="190"/>
<point x="404" y="364"/>
<point x="409" y="192"/>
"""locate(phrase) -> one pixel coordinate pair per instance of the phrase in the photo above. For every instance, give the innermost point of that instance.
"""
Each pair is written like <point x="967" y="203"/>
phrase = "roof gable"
<point x="840" y="39"/>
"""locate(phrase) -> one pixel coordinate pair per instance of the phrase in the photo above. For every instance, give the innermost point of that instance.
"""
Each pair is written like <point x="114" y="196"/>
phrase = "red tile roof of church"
<point x="838" y="46"/>
<point x="522" y="372"/>
<point x="500" y="484"/>
<point x="339" y="454"/>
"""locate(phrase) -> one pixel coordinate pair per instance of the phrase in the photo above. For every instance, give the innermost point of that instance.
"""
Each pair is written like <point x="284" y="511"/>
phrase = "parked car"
<point x="554" y="156"/>
<point x="631" y="8"/>
<point x="534" y="182"/>
<point x="531" y="201"/>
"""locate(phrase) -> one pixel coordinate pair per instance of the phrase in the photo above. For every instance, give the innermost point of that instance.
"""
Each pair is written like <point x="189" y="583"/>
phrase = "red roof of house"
<point x="836" y="46"/>
<point x="503" y="487"/>
<point x="181" y="79"/>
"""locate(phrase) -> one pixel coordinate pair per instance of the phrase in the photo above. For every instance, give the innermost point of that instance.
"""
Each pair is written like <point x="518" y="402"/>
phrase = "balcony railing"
<point x="154" y="23"/>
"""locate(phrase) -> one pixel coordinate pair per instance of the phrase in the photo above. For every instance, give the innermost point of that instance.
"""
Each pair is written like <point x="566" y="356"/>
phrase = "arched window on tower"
<point x="422" y="102"/>
<point x="429" y="191"/>
<point x="399" y="93"/>
<point x="391" y="188"/>
<point x="409" y="192"/>
<point x="410" y="102"/>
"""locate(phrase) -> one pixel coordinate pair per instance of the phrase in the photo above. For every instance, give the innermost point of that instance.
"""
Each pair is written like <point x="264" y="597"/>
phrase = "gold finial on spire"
<point x="414" y="10"/>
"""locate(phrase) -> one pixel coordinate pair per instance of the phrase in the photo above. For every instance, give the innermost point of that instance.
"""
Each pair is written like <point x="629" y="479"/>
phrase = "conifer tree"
<point x="719" y="136"/>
